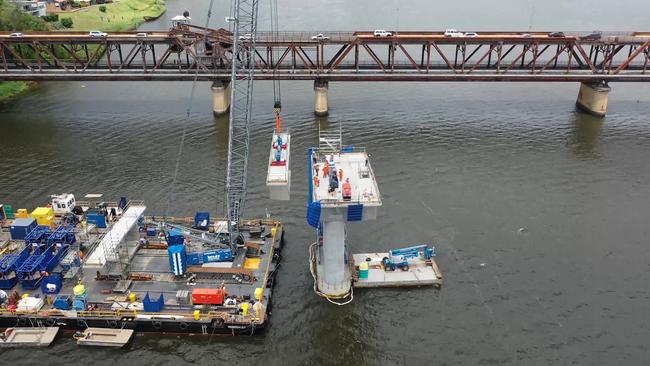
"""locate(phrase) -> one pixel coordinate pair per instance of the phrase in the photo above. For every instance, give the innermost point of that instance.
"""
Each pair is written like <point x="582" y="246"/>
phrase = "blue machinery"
<point x="182" y="254"/>
<point x="398" y="258"/>
<point x="43" y="251"/>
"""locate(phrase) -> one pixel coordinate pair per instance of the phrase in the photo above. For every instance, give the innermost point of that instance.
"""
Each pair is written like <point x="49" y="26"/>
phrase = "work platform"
<point x="351" y="166"/>
<point x="420" y="273"/>
<point x="278" y="178"/>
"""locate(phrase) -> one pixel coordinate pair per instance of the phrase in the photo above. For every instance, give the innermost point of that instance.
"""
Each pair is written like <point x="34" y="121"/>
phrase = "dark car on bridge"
<point x="593" y="36"/>
<point x="556" y="34"/>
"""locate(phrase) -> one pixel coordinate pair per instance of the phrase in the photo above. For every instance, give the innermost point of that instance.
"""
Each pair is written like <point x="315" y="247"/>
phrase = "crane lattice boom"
<point x="241" y="83"/>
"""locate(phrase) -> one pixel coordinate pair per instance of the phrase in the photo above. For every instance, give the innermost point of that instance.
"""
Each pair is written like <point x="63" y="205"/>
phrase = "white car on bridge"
<point x="453" y="33"/>
<point x="97" y="34"/>
<point x="320" y="37"/>
<point x="382" y="33"/>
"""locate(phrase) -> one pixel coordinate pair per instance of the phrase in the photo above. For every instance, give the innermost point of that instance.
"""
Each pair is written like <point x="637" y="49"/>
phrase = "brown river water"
<point x="539" y="213"/>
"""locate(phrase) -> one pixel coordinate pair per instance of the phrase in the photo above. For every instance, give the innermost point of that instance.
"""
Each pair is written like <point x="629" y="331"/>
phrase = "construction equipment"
<point x="398" y="258"/>
<point x="241" y="97"/>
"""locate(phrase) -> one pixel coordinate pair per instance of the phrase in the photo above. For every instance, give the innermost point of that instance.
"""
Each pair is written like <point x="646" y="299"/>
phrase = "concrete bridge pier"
<point x="321" y="107"/>
<point x="593" y="97"/>
<point x="220" y="97"/>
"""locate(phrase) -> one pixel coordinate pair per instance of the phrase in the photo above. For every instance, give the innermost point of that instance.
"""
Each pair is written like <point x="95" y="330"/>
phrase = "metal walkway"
<point x="107" y="248"/>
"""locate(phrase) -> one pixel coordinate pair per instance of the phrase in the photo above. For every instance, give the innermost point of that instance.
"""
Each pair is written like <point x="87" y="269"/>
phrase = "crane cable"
<point x="277" y="95"/>
<point x="187" y="120"/>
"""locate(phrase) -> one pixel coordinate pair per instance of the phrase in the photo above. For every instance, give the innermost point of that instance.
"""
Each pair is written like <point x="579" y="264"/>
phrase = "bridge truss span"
<point x="343" y="56"/>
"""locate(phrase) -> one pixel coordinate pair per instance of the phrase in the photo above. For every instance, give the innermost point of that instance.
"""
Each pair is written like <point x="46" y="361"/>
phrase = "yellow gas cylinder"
<point x="244" y="308"/>
<point x="259" y="292"/>
<point x="21" y="213"/>
<point x="132" y="297"/>
<point x="273" y="230"/>
<point x="79" y="290"/>
<point x="197" y="314"/>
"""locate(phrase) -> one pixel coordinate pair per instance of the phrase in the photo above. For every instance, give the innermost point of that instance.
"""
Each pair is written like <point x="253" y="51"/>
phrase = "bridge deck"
<point x="342" y="56"/>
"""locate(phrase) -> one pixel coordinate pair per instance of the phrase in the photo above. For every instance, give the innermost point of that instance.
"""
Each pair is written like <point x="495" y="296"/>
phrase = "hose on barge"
<point x="331" y="299"/>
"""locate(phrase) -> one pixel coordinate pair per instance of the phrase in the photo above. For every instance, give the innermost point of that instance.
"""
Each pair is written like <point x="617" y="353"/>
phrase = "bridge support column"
<point x="321" y="107"/>
<point x="220" y="97"/>
<point x="593" y="97"/>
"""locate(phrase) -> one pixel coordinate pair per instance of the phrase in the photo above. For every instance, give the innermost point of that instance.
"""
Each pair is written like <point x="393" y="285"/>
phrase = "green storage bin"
<point x="9" y="212"/>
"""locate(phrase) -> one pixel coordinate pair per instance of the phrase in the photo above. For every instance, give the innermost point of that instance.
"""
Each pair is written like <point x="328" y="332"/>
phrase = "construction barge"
<point x="76" y="265"/>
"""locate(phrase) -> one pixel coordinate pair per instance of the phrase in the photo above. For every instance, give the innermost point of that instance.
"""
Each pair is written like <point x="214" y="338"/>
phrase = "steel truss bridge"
<point x="175" y="55"/>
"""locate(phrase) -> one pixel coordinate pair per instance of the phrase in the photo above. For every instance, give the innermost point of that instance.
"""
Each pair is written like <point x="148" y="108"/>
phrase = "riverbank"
<point x="12" y="89"/>
<point x="124" y="15"/>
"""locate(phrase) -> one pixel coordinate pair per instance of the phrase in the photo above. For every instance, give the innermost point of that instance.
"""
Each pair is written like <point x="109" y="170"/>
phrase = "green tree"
<point x="66" y="22"/>
<point x="12" y="19"/>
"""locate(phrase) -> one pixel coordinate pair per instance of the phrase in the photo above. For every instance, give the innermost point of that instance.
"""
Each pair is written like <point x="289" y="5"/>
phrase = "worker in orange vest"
<point x="326" y="169"/>
<point x="347" y="190"/>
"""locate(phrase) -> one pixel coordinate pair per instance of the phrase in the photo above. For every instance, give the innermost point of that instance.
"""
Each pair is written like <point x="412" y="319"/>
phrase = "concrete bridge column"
<point x="220" y="97"/>
<point x="592" y="98"/>
<point x="321" y="107"/>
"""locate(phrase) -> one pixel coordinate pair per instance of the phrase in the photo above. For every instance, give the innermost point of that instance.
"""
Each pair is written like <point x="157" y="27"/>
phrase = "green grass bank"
<point x="121" y="15"/>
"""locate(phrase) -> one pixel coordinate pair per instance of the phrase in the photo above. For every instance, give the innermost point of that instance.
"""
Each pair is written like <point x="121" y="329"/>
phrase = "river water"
<point x="539" y="213"/>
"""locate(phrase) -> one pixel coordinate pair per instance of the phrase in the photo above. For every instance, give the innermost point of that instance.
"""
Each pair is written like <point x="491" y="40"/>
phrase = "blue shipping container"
<point x="21" y="227"/>
<point x="98" y="220"/>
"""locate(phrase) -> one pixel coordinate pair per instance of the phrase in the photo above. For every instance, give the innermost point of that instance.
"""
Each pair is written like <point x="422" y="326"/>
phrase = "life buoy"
<point x="157" y="324"/>
<point x="184" y="325"/>
<point x="112" y="323"/>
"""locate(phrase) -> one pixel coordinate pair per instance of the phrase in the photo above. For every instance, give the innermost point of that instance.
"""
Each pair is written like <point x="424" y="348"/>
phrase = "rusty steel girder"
<point x="345" y="56"/>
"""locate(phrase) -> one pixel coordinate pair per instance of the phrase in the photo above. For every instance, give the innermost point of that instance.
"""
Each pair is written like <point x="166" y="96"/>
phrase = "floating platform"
<point x="420" y="272"/>
<point x="28" y="337"/>
<point x="278" y="178"/>
<point x="104" y="337"/>
<point x="133" y="276"/>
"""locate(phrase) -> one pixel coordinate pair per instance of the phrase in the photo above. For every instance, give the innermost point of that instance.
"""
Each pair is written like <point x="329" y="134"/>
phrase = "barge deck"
<point x="123" y="276"/>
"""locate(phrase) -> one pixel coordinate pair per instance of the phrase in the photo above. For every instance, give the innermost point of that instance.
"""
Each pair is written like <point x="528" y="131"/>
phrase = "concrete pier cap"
<point x="593" y="98"/>
<point x="321" y="106"/>
<point x="220" y="97"/>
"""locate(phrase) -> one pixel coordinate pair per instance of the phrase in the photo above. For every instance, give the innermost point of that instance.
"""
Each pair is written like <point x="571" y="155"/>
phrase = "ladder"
<point x="329" y="142"/>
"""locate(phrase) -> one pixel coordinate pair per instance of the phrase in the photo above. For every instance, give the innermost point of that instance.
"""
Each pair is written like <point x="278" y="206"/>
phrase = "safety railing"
<point x="119" y="313"/>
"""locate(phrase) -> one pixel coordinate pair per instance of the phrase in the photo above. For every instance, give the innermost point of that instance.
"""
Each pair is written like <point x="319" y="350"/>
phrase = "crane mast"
<point x="241" y="96"/>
